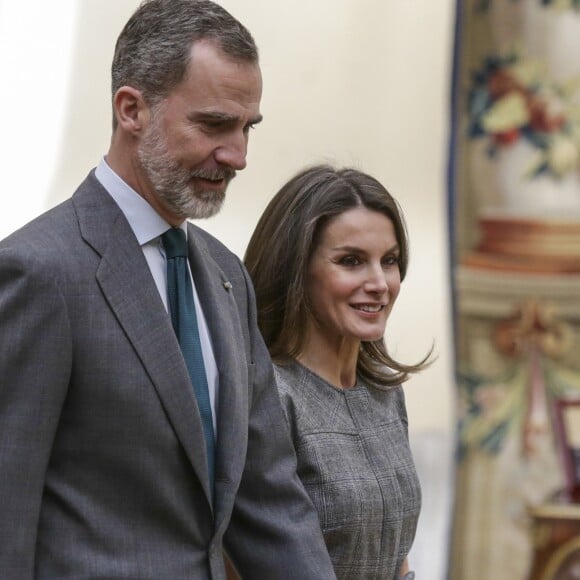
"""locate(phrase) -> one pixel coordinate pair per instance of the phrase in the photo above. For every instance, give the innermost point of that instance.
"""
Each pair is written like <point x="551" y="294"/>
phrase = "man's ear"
<point x="131" y="110"/>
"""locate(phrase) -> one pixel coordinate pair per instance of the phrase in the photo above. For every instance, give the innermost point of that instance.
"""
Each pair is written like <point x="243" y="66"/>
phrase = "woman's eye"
<point x="390" y="261"/>
<point x="350" y="261"/>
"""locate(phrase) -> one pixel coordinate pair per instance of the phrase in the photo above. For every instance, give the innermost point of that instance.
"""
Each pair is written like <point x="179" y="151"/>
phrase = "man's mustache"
<point x="226" y="173"/>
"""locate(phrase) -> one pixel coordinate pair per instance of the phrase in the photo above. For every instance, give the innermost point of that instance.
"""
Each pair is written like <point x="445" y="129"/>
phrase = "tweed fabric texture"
<point x="355" y="462"/>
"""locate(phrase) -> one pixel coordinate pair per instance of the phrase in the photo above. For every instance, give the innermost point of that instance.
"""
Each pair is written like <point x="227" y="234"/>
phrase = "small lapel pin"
<point x="228" y="286"/>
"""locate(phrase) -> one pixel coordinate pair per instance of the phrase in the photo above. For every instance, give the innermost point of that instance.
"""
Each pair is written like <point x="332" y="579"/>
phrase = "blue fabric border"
<point x="452" y="163"/>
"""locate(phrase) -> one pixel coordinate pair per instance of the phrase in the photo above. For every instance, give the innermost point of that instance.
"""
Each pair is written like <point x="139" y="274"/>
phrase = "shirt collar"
<point x="145" y="222"/>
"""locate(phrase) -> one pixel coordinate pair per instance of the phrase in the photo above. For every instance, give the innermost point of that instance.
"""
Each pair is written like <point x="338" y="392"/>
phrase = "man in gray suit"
<point x="104" y="457"/>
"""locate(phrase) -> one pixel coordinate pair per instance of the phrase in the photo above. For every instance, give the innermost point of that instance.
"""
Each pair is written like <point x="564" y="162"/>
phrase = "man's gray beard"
<point x="172" y="183"/>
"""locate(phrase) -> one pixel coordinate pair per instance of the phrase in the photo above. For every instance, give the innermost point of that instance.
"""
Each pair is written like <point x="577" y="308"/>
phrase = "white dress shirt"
<point x="148" y="226"/>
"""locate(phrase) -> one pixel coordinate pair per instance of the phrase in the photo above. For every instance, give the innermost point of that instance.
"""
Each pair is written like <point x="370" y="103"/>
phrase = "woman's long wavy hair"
<point x="279" y="253"/>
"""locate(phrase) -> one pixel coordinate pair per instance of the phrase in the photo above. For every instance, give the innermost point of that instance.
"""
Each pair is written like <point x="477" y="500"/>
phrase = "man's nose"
<point x="232" y="153"/>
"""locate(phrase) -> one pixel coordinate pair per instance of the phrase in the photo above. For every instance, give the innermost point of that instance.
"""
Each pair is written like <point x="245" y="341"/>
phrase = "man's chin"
<point x="204" y="209"/>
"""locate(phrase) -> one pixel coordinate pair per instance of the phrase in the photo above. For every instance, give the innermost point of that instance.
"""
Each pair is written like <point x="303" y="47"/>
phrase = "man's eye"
<point x="212" y="125"/>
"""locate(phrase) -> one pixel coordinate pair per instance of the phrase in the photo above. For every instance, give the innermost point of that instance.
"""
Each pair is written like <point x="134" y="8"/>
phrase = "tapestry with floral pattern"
<point x="514" y="185"/>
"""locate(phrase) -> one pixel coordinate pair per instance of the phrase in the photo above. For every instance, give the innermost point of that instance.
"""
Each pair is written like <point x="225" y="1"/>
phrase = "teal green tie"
<point x="184" y="320"/>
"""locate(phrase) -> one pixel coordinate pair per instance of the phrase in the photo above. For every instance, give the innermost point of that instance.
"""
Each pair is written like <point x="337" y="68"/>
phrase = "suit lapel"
<point x="128" y="287"/>
<point x="220" y="309"/>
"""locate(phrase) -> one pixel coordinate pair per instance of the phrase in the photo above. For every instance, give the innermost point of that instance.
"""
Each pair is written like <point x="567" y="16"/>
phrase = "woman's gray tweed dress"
<point x="355" y="462"/>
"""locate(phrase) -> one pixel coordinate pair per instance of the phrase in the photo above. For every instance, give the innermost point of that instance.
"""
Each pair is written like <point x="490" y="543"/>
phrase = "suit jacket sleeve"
<point x="274" y="531"/>
<point x="35" y="364"/>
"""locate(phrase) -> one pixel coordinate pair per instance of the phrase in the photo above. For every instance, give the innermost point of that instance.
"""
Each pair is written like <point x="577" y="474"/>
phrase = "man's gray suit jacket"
<point x="102" y="461"/>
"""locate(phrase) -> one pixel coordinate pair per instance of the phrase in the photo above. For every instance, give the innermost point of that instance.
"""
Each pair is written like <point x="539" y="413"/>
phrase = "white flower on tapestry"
<point x="489" y="397"/>
<point x="511" y="98"/>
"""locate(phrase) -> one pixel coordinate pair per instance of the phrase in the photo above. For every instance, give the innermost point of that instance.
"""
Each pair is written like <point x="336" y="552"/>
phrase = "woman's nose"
<point x="377" y="280"/>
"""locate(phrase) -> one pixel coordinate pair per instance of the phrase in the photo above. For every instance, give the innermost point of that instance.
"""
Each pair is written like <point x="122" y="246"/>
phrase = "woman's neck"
<point x="335" y="365"/>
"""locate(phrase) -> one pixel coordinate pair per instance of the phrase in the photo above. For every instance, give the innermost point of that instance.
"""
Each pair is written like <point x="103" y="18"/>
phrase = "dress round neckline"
<point x="358" y="386"/>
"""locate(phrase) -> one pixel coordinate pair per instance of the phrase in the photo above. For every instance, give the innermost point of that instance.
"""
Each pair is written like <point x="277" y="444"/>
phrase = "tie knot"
<point x="174" y="243"/>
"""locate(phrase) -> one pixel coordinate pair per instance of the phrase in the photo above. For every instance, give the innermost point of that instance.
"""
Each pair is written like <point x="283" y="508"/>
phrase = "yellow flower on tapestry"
<point x="511" y="99"/>
<point x="529" y="72"/>
<point x="562" y="155"/>
<point x="508" y="113"/>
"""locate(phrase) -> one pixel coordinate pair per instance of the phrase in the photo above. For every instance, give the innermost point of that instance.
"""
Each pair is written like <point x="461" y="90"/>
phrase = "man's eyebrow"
<point x="218" y="117"/>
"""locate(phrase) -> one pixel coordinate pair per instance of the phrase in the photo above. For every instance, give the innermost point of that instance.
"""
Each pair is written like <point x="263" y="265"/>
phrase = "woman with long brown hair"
<point x="327" y="259"/>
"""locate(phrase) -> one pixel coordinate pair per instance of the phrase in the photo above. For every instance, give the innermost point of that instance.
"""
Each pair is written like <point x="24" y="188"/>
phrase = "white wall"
<point x="34" y="67"/>
<point x="363" y="82"/>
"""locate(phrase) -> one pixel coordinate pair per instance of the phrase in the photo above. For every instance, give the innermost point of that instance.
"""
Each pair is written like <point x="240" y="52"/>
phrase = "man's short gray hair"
<point x="154" y="47"/>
